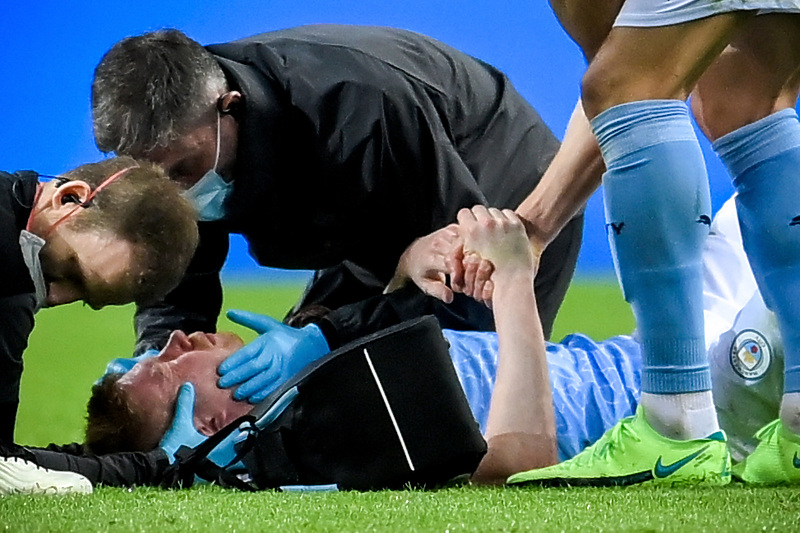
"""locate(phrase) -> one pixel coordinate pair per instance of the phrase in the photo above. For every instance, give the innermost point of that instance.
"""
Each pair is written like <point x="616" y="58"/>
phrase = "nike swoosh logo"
<point x="796" y="461"/>
<point x="662" y="471"/>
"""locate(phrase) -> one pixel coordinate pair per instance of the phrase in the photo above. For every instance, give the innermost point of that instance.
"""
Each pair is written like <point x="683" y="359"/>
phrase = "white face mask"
<point x="209" y="194"/>
<point x="31" y="245"/>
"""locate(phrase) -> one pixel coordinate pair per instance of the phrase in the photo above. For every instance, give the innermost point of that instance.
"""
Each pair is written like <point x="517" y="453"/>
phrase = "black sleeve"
<point x="195" y="303"/>
<point x="350" y="322"/>
<point x="15" y="327"/>
<point x="113" y="470"/>
<point x="420" y="177"/>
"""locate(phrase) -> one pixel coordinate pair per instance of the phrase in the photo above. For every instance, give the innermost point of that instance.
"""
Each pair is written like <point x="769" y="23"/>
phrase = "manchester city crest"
<point x="751" y="354"/>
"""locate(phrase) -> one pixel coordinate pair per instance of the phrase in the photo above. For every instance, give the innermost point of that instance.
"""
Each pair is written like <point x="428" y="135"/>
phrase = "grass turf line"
<point x="458" y="509"/>
<point x="71" y="346"/>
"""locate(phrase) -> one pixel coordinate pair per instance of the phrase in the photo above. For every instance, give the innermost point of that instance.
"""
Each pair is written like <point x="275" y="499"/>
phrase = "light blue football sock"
<point x="658" y="214"/>
<point x="764" y="160"/>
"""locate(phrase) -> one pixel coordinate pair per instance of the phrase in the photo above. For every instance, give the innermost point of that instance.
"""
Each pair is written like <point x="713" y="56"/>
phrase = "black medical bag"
<point x="385" y="412"/>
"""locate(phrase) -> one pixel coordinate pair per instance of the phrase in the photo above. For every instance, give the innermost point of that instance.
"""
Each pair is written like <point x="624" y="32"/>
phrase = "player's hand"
<point x="498" y="237"/>
<point x="477" y="274"/>
<point x="269" y="361"/>
<point x="182" y="432"/>
<point x="427" y="262"/>
<point x="469" y="274"/>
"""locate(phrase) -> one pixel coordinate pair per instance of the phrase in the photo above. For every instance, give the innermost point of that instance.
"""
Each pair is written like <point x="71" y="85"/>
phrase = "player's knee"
<point x="746" y="83"/>
<point x="610" y="81"/>
<point x="597" y="90"/>
<point x="606" y="84"/>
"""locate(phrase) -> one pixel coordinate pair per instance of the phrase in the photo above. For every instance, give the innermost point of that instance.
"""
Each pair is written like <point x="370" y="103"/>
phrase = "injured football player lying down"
<point x="132" y="411"/>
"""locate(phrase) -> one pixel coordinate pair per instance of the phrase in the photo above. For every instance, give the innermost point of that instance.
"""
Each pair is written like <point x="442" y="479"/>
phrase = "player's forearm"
<point x="522" y="358"/>
<point x="572" y="177"/>
<point x="521" y="426"/>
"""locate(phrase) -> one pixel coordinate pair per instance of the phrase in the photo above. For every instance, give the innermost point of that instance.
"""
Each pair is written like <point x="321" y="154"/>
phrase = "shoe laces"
<point x="613" y="440"/>
<point x="769" y="430"/>
<point x="24" y="461"/>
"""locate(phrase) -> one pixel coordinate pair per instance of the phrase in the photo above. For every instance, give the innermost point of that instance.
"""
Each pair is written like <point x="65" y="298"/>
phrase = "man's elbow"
<point x="510" y="453"/>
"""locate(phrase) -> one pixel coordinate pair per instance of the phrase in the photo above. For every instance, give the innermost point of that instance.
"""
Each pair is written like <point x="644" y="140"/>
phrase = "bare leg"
<point x="587" y="23"/>
<point x="636" y="64"/>
<point x="755" y="76"/>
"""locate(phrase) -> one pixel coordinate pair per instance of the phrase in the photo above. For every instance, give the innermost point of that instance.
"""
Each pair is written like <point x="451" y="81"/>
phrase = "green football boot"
<point x="776" y="459"/>
<point x="633" y="453"/>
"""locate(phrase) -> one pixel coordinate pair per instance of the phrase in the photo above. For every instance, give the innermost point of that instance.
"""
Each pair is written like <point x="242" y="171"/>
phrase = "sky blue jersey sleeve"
<point x="594" y="384"/>
<point x="474" y="355"/>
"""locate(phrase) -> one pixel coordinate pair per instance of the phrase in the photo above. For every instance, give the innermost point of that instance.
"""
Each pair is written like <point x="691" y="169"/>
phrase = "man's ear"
<point x="207" y="424"/>
<point x="229" y="103"/>
<point x="70" y="194"/>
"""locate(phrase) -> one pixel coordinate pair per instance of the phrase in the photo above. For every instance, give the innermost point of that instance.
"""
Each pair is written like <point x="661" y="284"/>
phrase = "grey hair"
<point x="148" y="90"/>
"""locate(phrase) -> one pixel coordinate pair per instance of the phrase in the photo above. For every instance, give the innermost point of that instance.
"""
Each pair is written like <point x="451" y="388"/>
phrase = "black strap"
<point x="194" y="461"/>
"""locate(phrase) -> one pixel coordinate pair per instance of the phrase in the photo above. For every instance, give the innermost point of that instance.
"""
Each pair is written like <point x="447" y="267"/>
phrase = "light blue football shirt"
<point x="594" y="384"/>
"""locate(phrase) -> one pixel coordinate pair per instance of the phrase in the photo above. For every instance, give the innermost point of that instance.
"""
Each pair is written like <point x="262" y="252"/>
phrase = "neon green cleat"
<point x="776" y="459"/>
<point x="633" y="453"/>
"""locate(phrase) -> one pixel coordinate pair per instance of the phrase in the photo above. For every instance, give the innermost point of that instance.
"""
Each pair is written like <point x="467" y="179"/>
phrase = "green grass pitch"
<point x="71" y="345"/>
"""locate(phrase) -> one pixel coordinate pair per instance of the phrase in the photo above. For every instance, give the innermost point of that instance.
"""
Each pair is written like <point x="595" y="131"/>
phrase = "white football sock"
<point x="684" y="416"/>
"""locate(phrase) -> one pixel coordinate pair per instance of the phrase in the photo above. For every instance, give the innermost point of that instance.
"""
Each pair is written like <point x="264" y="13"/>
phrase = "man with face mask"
<point x="107" y="233"/>
<point x="331" y="148"/>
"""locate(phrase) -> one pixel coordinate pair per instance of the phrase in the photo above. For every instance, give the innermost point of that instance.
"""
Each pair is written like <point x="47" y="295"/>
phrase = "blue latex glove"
<point x="269" y="361"/>
<point x="182" y="432"/>
<point x="121" y="365"/>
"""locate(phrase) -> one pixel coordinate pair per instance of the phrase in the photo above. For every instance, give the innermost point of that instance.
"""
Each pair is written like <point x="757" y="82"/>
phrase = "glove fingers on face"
<point x="261" y="385"/>
<point x="182" y="432"/>
<point x="184" y="406"/>
<point x="246" y="358"/>
<point x="121" y="365"/>
<point x="259" y="396"/>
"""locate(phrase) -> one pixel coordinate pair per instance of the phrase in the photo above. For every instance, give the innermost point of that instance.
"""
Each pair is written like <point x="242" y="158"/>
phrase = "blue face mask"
<point x="210" y="193"/>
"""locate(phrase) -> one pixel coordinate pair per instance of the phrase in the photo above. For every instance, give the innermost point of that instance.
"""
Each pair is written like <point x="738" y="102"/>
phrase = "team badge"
<point x="751" y="354"/>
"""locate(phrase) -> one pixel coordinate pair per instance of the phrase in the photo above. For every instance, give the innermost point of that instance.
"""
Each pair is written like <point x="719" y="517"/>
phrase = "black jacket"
<point x="17" y="301"/>
<point x="354" y="141"/>
<point x="126" y="469"/>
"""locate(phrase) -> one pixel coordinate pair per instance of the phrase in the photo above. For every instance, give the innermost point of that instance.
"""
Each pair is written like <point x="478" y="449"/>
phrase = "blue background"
<point x="48" y="51"/>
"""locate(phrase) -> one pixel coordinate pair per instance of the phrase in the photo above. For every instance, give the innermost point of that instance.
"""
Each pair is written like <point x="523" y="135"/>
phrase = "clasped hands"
<point x="469" y="253"/>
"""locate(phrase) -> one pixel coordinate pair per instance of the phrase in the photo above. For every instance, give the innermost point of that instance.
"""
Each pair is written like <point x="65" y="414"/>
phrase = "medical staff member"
<point x="83" y="236"/>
